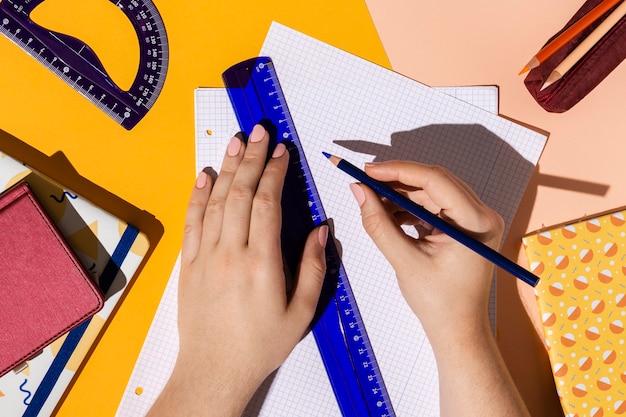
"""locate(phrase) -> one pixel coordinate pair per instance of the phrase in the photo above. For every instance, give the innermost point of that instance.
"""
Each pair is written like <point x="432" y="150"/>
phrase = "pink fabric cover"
<point x="44" y="290"/>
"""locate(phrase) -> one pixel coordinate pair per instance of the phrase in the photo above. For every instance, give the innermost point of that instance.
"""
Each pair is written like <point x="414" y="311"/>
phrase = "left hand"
<point x="237" y="322"/>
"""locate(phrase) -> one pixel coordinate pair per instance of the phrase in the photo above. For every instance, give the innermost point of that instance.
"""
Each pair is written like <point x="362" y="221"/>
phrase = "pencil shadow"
<point x="572" y="184"/>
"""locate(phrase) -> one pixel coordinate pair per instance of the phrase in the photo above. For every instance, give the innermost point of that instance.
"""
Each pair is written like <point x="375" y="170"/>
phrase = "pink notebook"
<point x="44" y="290"/>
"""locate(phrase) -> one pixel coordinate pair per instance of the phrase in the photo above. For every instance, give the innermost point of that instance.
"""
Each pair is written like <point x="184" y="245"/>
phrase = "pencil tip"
<point x="552" y="78"/>
<point x="524" y="70"/>
<point x="326" y="154"/>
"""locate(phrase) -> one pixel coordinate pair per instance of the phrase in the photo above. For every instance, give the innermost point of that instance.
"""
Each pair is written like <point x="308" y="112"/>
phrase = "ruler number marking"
<point x="126" y="107"/>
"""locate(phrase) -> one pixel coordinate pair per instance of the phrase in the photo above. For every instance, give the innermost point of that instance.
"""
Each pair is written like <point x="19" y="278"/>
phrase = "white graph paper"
<point x="347" y="106"/>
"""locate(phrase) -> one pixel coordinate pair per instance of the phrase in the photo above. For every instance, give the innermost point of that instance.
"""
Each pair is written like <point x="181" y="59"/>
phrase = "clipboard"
<point x="111" y="238"/>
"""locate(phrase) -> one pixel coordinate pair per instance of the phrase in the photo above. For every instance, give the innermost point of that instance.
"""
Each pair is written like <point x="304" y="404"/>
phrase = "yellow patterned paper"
<point x="582" y="301"/>
<point x="93" y="234"/>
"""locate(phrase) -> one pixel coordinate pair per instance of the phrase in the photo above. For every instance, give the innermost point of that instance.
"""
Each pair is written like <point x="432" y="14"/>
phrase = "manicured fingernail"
<point x="372" y="164"/>
<point x="279" y="150"/>
<point x="234" y="147"/>
<point x="358" y="193"/>
<point x="201" y="180"/>
<point x="322" y="235"/>
<point x="257" y="133"/>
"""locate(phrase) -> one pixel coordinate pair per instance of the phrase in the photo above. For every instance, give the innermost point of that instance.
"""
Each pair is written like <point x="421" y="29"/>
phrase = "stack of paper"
<point x="347" y="106"/>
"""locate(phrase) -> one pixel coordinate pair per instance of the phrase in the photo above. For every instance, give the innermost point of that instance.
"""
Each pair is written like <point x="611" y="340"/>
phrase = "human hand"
<point x="444" y="283"/>
<point x="237" y="322"/>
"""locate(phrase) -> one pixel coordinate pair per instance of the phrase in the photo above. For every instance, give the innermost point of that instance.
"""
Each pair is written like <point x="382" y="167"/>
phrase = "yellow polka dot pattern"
<point x="582" y="301"/>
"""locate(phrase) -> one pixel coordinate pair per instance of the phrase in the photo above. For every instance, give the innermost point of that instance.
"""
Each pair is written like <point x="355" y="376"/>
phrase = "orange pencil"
<point x="581" y="24"/>
<point x="584" y="47"/>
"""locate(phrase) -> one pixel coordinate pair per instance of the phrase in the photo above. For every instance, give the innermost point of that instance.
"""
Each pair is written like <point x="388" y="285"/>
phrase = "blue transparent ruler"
<point x="339" y="331"/>
<point x="75" y="63"/>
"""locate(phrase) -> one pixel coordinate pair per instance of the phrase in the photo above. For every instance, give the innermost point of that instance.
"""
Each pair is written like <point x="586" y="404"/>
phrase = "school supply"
<point x="582" y="302"/>
<point x="576" y="55"/>
<point x="434" y="220"/>
<point x="45" y="292"/>
<point x="76" y="64"/>
<point x="595" y="65"/>
<point x="349" y="98"/>
<point x="567" y="35"/>
<point x="111" y="239"/>
<point x="254" y="90"/>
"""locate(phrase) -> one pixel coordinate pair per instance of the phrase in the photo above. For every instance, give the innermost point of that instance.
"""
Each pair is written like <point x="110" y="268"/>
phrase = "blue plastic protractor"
<point x="339" y="330"/>
<point x="74" y="62"/>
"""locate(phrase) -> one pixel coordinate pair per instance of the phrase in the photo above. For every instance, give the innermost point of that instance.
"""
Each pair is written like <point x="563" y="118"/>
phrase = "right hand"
<point x="445" y="283"/>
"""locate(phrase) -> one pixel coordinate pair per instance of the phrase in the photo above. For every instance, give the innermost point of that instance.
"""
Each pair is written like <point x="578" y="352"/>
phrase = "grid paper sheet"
<point x="352" y="108"/>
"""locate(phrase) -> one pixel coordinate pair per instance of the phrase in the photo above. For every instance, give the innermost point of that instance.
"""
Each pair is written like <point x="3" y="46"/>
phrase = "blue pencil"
<point x="435" y="221"/>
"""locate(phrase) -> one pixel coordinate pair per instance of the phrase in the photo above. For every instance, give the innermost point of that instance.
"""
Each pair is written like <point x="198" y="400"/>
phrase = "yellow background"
<point x="151" y="166"/>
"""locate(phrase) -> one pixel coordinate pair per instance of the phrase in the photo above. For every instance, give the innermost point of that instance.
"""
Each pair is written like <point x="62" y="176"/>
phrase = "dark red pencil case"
<point x="603" y="58"/>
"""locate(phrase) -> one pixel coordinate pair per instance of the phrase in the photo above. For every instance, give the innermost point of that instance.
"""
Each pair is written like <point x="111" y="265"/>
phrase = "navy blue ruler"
<point x="75" y="62"/>
<point x="340" y="334"/>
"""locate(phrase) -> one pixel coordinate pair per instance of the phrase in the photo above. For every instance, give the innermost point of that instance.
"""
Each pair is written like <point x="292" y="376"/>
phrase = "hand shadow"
<point x="461" y="149"/>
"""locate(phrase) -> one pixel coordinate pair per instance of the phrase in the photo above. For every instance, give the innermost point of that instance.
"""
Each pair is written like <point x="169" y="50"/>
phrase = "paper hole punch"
<point x="75" y="63"/>
<point x="339" y="331"/>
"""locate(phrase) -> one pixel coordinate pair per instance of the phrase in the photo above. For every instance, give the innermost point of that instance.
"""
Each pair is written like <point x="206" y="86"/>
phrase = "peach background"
<point x="444" y="42"/>
<point x="487" y="42"/>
